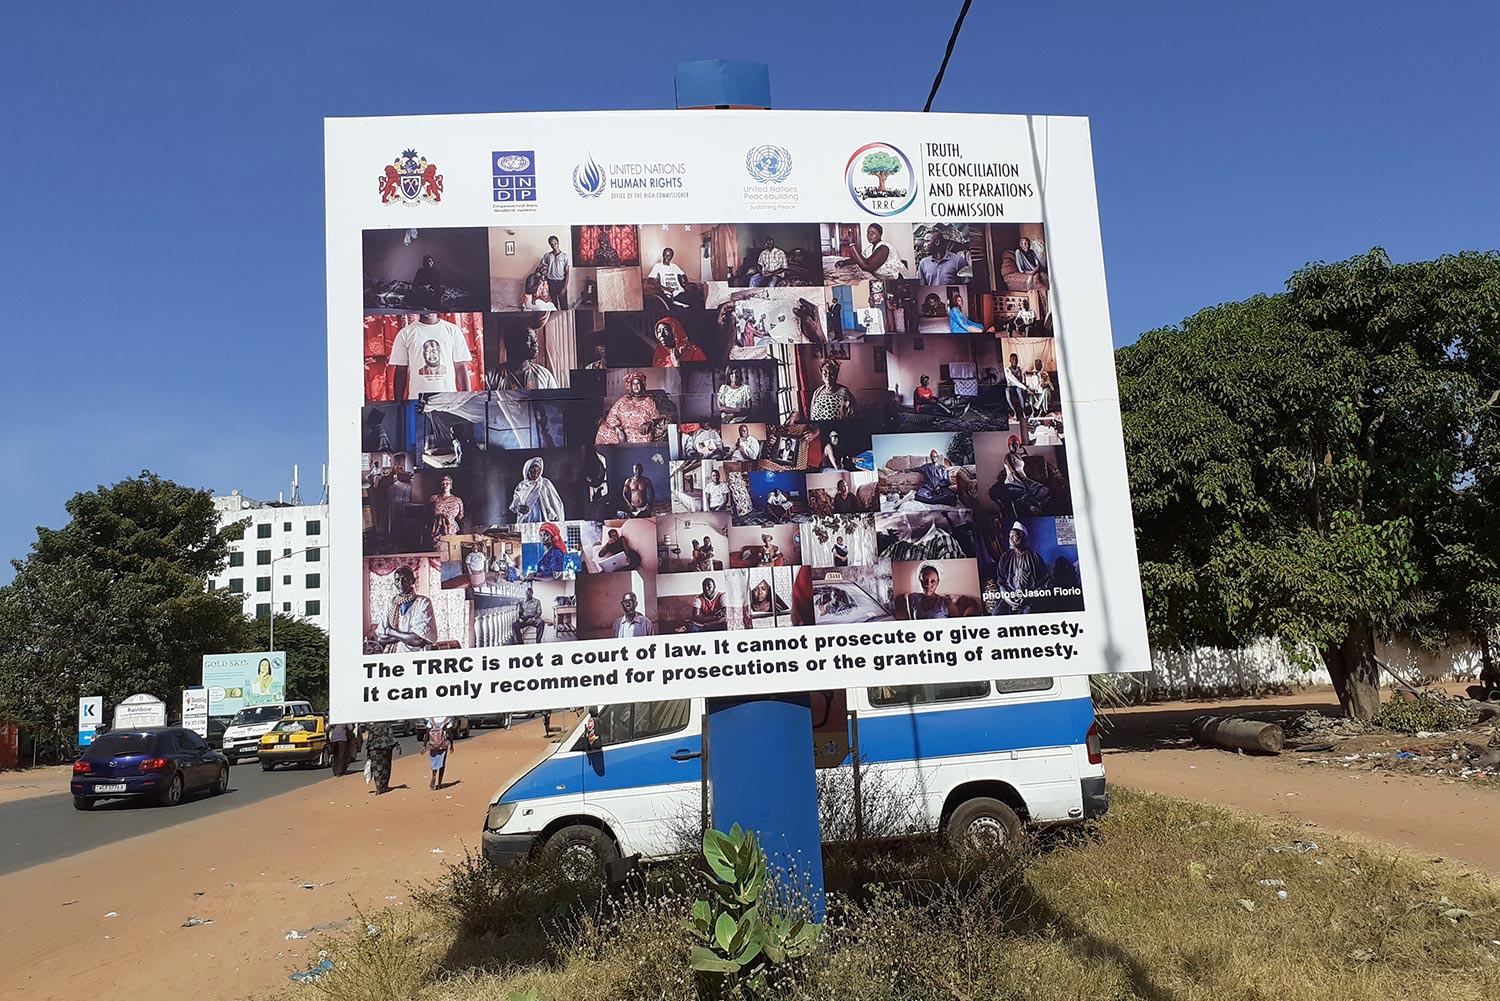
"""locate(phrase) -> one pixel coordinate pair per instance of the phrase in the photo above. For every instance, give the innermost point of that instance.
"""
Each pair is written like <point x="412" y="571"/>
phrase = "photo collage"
<point x="630" y="430"/>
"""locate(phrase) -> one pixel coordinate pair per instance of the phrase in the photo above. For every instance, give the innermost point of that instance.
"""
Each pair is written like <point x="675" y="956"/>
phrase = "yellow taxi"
<point x="296" y="739"/>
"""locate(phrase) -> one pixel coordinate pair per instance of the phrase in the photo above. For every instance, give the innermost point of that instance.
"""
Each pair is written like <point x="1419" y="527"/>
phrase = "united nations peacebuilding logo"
<point x="411" y="179"/>
<point x="769" y="164"/>
<point x="588" y="178"/>
<point x="880" y="179"/>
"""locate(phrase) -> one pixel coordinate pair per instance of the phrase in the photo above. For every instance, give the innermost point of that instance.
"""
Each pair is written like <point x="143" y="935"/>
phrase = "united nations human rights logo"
<point x="880" y="179"/>
<point x="769" y="164"/>
<point x="411" y="179"/>
<point x="588" y="178"/>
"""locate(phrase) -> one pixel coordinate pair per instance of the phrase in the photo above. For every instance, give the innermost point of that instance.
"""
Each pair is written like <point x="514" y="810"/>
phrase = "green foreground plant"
<point x="741" y="937"/>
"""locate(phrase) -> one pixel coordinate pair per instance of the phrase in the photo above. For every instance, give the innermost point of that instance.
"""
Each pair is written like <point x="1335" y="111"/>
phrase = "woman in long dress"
<point x="633" y="418"/>
<point x="379" y="743"/>
<point x="447" y="511"/>
<point x="535" y="498"/>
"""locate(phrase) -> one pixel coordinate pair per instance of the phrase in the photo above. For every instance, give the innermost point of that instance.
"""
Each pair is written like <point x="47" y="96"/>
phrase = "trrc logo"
<point x="588" y="178"/>
<point x="410" y="179"/>
<point x="514" y="175"/>
<point x="769" y="164"/>
<point x="894" y="185"/>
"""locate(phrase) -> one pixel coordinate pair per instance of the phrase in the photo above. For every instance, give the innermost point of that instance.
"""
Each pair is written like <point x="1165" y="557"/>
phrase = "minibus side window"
<point x="624" y="721"/>
<point x="915" y="695"/>
<point x="1011" y="686"/>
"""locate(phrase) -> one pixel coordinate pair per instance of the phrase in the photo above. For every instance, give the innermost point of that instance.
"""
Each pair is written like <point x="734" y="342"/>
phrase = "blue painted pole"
<point x="761" y="773"/>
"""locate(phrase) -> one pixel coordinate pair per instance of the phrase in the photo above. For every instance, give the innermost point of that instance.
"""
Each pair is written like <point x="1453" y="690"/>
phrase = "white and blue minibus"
<point x="976" y="761"/>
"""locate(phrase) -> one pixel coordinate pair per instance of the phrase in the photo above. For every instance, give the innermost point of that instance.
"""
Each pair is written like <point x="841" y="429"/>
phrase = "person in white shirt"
<point x="734" y="399"/>
<point x="632" y="623"/>
<point x="556" y="264"/>
<point x="746" y="448"/>
<point x="717" y="493"/>
<point x="671" y="279"/>
<point x="439" y="353"/>
<point x="772" y="264"/>
<point x="879" y="257"/>
<point x="408" y="624"/>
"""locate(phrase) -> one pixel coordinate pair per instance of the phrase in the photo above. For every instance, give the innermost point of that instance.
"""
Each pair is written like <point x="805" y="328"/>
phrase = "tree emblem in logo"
<point x="410" y="179"/>
<point x="893" y="189"/>
<point x="769" y="164"/>
<point x="588" y="178"/>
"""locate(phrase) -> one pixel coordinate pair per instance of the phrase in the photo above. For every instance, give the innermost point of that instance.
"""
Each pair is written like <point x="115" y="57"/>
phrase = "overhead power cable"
<point x="947" y="54"/>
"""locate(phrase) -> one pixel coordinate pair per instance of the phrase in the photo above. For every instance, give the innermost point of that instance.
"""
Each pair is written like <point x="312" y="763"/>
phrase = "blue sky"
<point x="162" y="238"/>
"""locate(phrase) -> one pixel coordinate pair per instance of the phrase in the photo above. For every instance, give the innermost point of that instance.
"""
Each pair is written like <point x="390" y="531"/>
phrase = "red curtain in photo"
<point x="380" y="334"/>
<point x="623" y="238"/>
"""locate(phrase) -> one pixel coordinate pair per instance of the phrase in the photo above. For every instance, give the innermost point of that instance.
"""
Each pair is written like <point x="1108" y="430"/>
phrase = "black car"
<point x="163" y="763"/>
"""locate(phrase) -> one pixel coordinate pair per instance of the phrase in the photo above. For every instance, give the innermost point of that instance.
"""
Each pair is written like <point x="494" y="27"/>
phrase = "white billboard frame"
<point x="1046" y="177"/>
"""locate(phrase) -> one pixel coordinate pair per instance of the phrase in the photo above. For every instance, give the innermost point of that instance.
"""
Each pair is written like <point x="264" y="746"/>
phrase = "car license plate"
<point x="109" y="787"/>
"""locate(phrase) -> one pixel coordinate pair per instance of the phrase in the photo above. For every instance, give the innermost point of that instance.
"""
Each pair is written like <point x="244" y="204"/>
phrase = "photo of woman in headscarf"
<point x="831" y="401"/>
<point x="672" y="345"/>
<point x="554" y="558"/>
<point x="633" y="418"/>
<point x="535" y="498"/>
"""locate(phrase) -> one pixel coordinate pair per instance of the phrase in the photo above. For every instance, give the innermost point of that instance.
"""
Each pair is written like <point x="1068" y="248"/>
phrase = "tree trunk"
<point x="1488" y="672"/>
<point x="1356" y="675"/>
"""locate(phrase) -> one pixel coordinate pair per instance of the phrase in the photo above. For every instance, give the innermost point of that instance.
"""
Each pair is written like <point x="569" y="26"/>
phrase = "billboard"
<point x="90" y="718"/>
<point x="651" y="405"/>
<point x="237" y="680"/>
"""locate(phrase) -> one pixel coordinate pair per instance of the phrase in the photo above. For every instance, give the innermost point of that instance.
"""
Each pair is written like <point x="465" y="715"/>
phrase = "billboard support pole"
<point x="760" y="773"/>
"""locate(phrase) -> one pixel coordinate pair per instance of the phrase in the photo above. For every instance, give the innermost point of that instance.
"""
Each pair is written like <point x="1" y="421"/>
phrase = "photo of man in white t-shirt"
<point x="670" y="278"/>
<point x="429" y="356"/>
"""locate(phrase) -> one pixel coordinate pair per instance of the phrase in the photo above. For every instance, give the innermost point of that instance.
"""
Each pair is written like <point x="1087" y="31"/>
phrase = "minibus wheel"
<point x="985" y="824"/>
<point x="580" y="852"/>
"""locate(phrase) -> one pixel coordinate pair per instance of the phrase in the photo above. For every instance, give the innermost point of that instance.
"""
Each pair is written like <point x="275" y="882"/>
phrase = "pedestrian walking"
<point x="338" y="743"/>
<point x="439" y="745"/>
<point x="380" y="743"/>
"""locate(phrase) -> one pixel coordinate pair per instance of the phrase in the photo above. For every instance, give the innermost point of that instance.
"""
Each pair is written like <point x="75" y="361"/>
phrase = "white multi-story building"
<point x="281" y="562"/>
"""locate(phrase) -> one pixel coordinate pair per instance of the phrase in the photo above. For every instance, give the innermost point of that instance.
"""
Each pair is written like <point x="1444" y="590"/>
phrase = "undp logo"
<point x="769" y="164"/>
<point x="588" y="178"/>
<point x="514" y="175"/>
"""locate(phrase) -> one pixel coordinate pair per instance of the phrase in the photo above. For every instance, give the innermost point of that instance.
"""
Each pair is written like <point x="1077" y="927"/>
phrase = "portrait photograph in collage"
<point x="599" y="431"/>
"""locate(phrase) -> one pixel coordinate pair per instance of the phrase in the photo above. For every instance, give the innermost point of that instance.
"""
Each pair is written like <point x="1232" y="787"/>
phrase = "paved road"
<point x="43" y="828"/>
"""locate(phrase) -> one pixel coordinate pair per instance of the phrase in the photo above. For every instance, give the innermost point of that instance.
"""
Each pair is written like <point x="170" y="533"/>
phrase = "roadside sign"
<point x="195" y="710"/>
<point x="90" y="713"/>
<point x="140" y="710"/>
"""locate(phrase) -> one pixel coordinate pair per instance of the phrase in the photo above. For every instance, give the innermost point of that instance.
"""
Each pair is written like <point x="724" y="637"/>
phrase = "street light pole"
<point x="271" y="640"/>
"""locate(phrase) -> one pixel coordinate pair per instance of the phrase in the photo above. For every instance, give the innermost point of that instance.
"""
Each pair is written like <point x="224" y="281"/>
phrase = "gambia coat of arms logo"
<point x="410" y="179"/>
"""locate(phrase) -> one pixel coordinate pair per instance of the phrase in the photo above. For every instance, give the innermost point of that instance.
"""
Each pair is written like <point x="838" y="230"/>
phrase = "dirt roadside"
<point x="27" y="782"/>
<point x="1426" y="816"/>
<point x="242" y="869"/>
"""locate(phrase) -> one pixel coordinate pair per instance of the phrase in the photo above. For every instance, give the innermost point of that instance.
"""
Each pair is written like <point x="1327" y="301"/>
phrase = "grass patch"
<point x="1143" y="905"/>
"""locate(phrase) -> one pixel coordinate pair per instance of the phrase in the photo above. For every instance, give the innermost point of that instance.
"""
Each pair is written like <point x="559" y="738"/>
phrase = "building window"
<point x="286" y="579"/>
<point x="263" y="583"/>
<point x="263" y="531"/>
<point x="314" y="581"/>
<point x="212" y="587"/>
<point x="314" y="555"/>
<point x="263" y="558"/>
<point x="236" y="559"/>
<point x="314" y="527"/>
<point x="263" y="611"/>
<point x="286" y="552"/>
<point x="236" y="585"/>
<point x="286" y="526"/>
<point x="286" y="607"/>
<point x="314" y="608"/>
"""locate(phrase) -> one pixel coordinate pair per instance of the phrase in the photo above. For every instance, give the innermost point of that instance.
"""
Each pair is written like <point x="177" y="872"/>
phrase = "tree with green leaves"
<point x="1310" y="466"/>
<point x="115" y="603"/>
<point x="880" y="165"/>
<point x="306" y="648"/>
